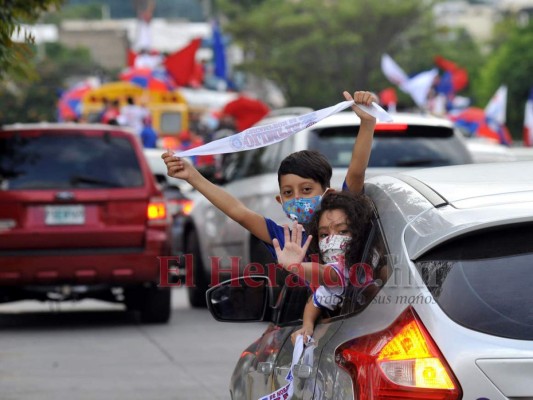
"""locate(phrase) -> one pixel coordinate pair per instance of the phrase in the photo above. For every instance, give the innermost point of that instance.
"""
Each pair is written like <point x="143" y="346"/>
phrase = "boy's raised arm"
<point x="355" y="177"/>
<point x="225" y="202"/>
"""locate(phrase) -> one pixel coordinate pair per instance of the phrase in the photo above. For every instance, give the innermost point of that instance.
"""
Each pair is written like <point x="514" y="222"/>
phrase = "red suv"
<point x="81" y="216"/>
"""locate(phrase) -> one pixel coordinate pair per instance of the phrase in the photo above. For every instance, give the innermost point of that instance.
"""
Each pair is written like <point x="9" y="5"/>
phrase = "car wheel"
<point x="153" y="303"/>
<point x="197" y="291"/>
<point x="156" y="306"/>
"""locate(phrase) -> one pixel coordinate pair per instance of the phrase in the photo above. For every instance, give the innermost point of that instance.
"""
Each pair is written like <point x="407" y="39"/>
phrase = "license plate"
<point x="64" y="215"/>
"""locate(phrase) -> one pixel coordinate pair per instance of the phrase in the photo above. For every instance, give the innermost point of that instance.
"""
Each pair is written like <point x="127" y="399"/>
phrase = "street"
<point x="94" y="350"/>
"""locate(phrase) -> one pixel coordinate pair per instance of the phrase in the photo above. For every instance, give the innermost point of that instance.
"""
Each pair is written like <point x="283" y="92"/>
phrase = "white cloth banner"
<point x="260" y="136"/>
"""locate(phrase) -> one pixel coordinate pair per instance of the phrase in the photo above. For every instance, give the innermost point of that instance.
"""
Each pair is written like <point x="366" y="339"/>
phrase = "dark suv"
<point x="81" y="216"/>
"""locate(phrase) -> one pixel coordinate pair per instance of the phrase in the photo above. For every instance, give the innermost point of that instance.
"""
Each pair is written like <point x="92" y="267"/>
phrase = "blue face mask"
<point x="302" y="209"/>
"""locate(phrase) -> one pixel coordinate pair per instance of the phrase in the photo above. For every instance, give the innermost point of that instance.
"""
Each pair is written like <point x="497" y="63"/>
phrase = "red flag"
<point x="246" y="111"/>
<point x="388" y="96"/>
<point x="130" y="58"/>
<point x="459" y="75"/>
<point x="197" y="78"/>
<point x="180" y="64"/>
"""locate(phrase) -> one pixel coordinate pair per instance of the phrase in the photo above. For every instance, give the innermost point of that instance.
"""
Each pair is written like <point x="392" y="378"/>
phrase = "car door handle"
<point x="299" y="371"/>
<point x="302" y="371"/>
<point x="265" y="367"/>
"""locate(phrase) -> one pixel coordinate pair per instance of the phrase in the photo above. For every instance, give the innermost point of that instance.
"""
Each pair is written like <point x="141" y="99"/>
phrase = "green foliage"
<point x="511" y="64"/>
<point x="77" y="11"/>
<point x="234" y="8"/>
<point x="13" y="13"/>
<point x="315" y="49"/>
<point x="24" y="100"/>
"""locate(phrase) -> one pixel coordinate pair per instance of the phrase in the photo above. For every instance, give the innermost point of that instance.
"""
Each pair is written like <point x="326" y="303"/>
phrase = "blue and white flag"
<point x="496" y="109"/>
<point x="417" y="87"/>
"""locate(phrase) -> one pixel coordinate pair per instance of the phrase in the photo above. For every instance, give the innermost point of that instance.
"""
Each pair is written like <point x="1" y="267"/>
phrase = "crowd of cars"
<point x="85" y="212"/>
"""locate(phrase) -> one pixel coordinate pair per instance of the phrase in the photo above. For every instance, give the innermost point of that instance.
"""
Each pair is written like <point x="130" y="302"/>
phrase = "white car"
<point x="410" y="141"/>
<point x="484" y="150"/>
<point x="441" y="308"/>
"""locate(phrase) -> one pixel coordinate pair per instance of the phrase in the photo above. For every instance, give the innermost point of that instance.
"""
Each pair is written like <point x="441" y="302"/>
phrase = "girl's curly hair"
<point x="358" y="209"/>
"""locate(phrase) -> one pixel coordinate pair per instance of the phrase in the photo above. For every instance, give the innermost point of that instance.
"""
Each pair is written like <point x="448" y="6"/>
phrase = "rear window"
<point x="404" y="146"/>
<point x="483" y="281"/>
<point x="67" y="161"/>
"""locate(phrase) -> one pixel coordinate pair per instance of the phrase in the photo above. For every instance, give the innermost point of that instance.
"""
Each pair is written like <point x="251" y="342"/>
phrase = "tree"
<point x="24" y="100"/>
<point x="233" y="8"/>
<point x="315" y="49"/>
<point x="13" y="56"/>
<point x="510" y="64"/>
<point x="75" y="11"/>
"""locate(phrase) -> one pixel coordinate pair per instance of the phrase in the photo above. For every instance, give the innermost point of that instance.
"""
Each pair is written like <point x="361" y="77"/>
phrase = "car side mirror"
<point x="243" y="299"/>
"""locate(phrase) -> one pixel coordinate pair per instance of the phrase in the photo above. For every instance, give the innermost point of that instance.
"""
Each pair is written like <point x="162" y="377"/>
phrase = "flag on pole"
<point x="389" y="99"/>
<point x="495" y="114"/>
<point x="417" y="87"/>
<point x="528" y="120"/>
<point x="496" y="109"/>
<point x="181" y="64"/>
<point x="219" y="53"/>
<point x="455" y="75"/>
<point x="394" y="73"/>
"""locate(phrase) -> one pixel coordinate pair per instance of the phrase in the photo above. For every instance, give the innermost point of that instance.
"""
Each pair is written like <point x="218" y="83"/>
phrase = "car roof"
<point x="475" y="185"/>
<point x="430" y="206"/>
<point x="348" y="118"/>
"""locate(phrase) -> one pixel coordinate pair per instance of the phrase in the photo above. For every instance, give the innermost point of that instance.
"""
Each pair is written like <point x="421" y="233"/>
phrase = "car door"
<point x="263" y="375"/>
<point x="261" y="371"/>
<point x="317" y="381"/>
<point x="307" y="377"/>
<point x="290" y="306"/>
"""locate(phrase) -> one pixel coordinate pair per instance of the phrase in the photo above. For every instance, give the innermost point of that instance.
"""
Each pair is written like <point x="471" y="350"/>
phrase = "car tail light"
<point x="186" y="206"/>
<point x="181" y="206"/>
<point x="400" y="362"/>
<point x="390" y="127"/>
<point x="157" y="212"/>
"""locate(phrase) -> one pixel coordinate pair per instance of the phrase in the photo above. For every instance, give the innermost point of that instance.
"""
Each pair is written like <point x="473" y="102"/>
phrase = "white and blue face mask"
<point x="302" y="209"/>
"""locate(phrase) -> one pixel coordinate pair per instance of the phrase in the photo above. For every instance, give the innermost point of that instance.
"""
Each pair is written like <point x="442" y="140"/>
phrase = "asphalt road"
<point x="94" y="350"/>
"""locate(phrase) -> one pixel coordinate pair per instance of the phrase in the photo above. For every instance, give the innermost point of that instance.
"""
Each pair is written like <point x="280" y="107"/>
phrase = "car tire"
<point x="196" y="292"/>
<point x="153" y="303"/>
<point x="156" y="306"/>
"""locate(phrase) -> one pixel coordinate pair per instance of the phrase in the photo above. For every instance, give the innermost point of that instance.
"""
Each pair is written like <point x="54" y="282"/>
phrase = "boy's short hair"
<point x="308" y="164"/>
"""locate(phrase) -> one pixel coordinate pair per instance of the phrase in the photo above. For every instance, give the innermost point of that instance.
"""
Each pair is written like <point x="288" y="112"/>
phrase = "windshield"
<point x="483" y="281"/>
<point x="67" y="161"/>
<point x="411" y="146"/>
